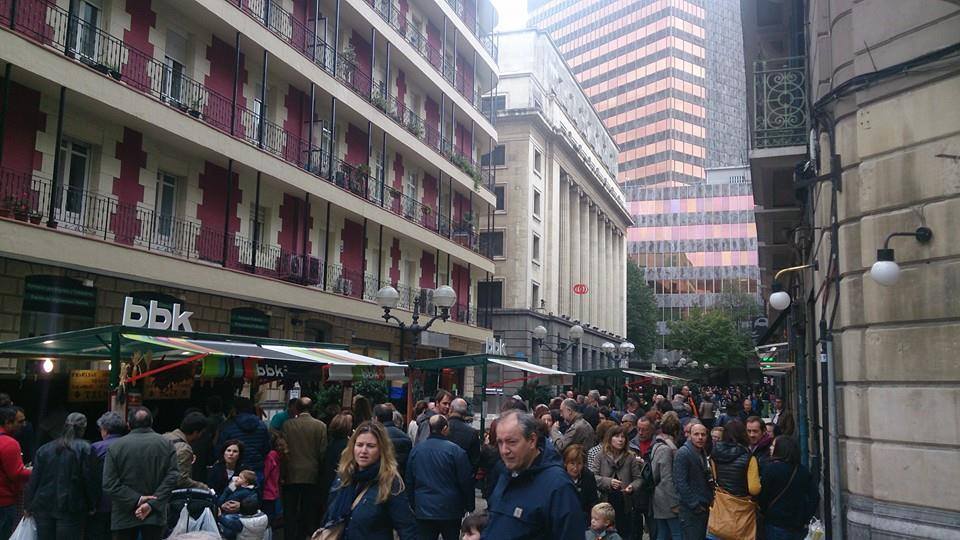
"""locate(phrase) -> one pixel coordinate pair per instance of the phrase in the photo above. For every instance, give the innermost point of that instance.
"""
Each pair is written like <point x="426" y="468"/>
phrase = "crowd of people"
<point x="575" y="467"/>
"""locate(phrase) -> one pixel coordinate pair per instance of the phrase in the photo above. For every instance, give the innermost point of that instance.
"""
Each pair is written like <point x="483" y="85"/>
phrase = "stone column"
<point x="594" y="267"/>
<point x="563" y="249"/>
<point x="575" y="226"/>
<point x="584" y="257"/>
<point x="603" y="268"/>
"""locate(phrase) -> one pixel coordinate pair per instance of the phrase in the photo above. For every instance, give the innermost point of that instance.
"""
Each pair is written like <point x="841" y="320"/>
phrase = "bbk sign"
<point x="155" y="316"/>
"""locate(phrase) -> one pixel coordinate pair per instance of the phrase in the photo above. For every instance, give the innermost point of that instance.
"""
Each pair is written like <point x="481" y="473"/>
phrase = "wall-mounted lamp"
<point x="47" y="365"/>
<point x="886" y="271"/>
<point x="780" y="299"/>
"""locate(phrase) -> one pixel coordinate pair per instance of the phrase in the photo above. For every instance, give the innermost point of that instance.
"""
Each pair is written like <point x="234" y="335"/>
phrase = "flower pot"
<point x="195" y="113"/>
<point x="36" y="218"/>
<point x="22" y="215"/>
<point x="115" y="73"/>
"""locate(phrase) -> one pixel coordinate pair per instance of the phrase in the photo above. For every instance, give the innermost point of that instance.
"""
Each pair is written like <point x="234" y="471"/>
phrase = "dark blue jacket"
<point x="401" y="444"/>
<point x="372" y="521"/>
<point x="537" y="503"/>
<point x="798" y="497"/>
<point x="690" y="477"/>
<point x="239" y="494"/>
<point x="252" y="432"/>
<point x="440" y="480"/>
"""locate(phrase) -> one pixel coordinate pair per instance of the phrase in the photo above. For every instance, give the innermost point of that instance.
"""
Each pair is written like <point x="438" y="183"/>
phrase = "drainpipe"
<point x="236" y="78"/>
<point x="57" y="162"/>
<point x="262" y="124"/>
<point x="226" y="212"/>
<point x="256" y="224"/>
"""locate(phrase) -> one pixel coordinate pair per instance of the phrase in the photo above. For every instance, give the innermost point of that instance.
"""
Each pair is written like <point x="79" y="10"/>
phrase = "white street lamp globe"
<point x="694" y="364"/>
<point x="388" y="297"/>
<point x="885" y="273"/>
<point x="780" y="300"/>
<point x="444" y="296"/>
<point x="706" y="366"/>
<point x="608" y="347"/>
<point x="627" y="348"/>
<point x="47" y="365"/>
<point x="540" y="332"/>
<point x="576" y="332"/>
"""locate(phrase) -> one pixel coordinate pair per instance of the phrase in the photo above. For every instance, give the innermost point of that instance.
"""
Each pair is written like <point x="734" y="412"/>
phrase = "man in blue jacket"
<point x="440" y="483"/>
<point x="534" y="497"/>
<point x="246" y="427"/>
<point x="690" y="474"/>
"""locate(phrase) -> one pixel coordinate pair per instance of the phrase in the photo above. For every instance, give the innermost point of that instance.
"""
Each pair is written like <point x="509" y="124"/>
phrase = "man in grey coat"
<point x="139" y="472"/>
<point x="690" y="475"/>
<point x="580" y="431"/>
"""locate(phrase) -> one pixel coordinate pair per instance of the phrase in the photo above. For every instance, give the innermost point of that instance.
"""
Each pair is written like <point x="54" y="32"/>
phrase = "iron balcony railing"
<point x="56" y="28"/>
<point x="470" y="19"/>
<point x="345" y="68"/>
<point x="390" y="13"/>
<point x="780" y="102"/>
<point x="31" y="198"/>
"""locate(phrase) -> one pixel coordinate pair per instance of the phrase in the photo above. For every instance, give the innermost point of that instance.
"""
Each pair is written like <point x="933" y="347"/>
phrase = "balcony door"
<point x="410" y="194"/>
<point x="86" y="40"/>
<point x="174" y="60"/>
<point x="166" y="208"/>
<point x="73" y="181"/>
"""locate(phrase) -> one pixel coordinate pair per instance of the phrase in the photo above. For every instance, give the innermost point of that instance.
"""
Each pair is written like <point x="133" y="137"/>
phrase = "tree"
<point x="710" y="337"/>
<point x="641" y="313"/>
<point x="741" y="307"/>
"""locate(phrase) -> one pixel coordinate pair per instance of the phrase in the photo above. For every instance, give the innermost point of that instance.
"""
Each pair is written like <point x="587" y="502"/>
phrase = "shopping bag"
<point x="732" y="517"/>
<point x="815" y="530"/>
<point x="205" y="523"/>
<point x="27" y="530"/>
<point x="183" y="523"/>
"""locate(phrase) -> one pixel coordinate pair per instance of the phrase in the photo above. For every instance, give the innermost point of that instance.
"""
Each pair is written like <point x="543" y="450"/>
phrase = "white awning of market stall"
<point x="654" y="375"/>
<point x="542" y="373"/>
<point x="345" y="365"/>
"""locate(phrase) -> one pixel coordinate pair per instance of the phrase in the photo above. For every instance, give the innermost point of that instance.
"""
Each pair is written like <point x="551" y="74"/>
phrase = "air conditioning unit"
<point x="295" y="265"/>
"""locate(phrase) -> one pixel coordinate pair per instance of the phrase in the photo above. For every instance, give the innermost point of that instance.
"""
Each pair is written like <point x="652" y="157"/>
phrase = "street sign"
<point x="580" y="288"/>
<point x="435" y="339"/>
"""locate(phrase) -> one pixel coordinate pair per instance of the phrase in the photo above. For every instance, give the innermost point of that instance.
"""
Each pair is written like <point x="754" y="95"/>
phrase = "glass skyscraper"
<point x="666" y="78"/>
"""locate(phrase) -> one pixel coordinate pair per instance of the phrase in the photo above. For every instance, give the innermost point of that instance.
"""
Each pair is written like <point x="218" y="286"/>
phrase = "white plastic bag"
<point x="183" y="523"/>
<point x="815" y="530"/>
<point x="27" y="530"/>
<point x="205" y="523"/>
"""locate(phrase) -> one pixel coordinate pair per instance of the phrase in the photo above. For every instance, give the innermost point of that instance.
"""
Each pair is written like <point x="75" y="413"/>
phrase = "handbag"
<point x="335" y="531"/>
<point x="731" y="517"/>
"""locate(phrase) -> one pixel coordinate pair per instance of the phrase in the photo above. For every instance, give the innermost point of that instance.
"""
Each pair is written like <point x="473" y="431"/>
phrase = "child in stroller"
<point x="249" y="524"/>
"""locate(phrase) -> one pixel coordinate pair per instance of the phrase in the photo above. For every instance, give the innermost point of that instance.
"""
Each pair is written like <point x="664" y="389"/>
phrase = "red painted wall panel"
<point x="142" y="19"/>
<point x="428" y="271"/>
<point x="398" y="172"/>
<point x="432" y="121"/>
<point x="356" y="145"/>
<point x="127" y="188"/>
<point x="351" y="258"/>
<point x="395" y="257"/>
<point x="291" y="235"/>
<point x="297" y="104"/>
<point x="222" y="56"/>
<point x="211" y="210"/>
<point x="430" y="200"/>
<point x="24" y="120"/>
<point x="362" y="49"/>
<point x="464" y="141"/>
<point x="464" y="80"/>
<point x="460" y="281"/>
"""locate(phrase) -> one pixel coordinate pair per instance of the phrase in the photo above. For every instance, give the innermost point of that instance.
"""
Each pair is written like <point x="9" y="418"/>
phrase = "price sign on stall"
<point x="87" y="385"/>
<point x="580" y="288"/>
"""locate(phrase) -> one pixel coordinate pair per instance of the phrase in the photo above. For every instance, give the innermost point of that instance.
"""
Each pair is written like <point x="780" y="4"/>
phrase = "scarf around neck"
<point x="340" y="509"/>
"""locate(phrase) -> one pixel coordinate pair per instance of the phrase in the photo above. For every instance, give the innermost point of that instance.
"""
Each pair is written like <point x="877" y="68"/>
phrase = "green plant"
<point x="326" y="395"/>
<point x="534" y="393"/>
<point x="374" y="390"/>
<point x="362" y="170"/>
<point x="379" y="101"/>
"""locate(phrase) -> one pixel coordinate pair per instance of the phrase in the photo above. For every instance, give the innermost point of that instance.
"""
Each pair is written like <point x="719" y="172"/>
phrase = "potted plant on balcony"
<point x="195" y="108"/>
<point x="21" y="207"/>
<point x="36" y="217"/>
<point x="348" y="61"/>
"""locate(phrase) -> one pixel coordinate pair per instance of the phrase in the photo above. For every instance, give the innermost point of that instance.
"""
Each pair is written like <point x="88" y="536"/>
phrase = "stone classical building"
<point x="291" y="157"/>
<point x="878" y="154"/>
<point x="561" y="218"/>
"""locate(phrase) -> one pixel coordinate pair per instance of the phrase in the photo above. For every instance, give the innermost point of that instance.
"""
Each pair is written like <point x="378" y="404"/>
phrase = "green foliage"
<point x="641" y="313"/>
<point x="710" y="337"/>
<point x="374" y="390"/>
<point x="741" y="307"/>
<point x="331" y="393"/>
<point x="533" y="393"/>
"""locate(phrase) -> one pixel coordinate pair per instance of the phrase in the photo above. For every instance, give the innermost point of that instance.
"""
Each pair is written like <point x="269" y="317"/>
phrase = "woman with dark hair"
<point x="666" y="502"/>
<point x="583" y="479"/>
<point x="735" y="470"/>
<point x="789" y="495"/>
<point x="618" y="477"/>
<point x="64" y="487"/>
<point x="368" y="498"/>
<point x="338" y="432"/>
<point x="417" y="411"/>
<point x="362" y="410"/>
<point x="489" y="459"/>
<point x="229" y="465"/>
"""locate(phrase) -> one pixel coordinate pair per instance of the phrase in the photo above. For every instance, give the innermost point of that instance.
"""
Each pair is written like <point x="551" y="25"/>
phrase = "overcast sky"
<point x="513" y="14"/>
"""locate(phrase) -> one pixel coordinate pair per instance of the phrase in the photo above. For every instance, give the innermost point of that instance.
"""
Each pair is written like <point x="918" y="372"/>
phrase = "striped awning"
<point x="266" y="352"/>
<point x="527" y="366"/>
<point x="654" y="375"/>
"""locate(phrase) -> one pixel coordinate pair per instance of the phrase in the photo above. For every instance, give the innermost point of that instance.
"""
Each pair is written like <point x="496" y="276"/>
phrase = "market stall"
<point x="524" y="370"/>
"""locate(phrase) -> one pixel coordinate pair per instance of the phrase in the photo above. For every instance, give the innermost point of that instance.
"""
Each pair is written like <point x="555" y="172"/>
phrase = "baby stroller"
<point x="192" y="510"/>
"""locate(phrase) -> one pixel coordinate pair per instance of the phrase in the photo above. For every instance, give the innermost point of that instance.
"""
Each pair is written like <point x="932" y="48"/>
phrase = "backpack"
<point x="647" y="483"/>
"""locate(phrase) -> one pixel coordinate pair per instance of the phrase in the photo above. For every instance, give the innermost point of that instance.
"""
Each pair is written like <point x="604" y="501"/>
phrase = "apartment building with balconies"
<point x="295" y="154"/>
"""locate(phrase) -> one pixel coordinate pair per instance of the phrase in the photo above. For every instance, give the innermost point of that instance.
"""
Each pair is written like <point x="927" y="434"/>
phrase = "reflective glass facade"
<point x="666" y="78"/>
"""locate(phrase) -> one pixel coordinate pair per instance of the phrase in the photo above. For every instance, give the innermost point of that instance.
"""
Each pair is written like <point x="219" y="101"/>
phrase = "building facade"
<point x="877" y="155"/>
<point x="664" y="79"/>
<point x="561" y="219"/>
<point x="294" y="154"/>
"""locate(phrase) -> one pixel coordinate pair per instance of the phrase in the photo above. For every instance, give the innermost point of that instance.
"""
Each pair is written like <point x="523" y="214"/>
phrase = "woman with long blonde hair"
<point x="368" y="497"/>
